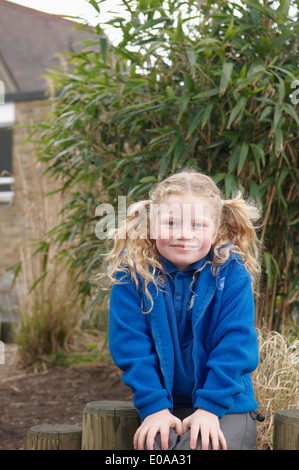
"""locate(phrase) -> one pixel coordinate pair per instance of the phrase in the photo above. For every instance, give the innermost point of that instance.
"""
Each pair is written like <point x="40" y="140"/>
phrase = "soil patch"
<point x="53" y="396"/>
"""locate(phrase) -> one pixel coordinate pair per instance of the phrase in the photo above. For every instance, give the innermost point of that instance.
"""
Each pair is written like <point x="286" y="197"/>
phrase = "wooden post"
<point x="54" y="437"/>
<point x="286" y="430"/>
<point x="109" y="425"/>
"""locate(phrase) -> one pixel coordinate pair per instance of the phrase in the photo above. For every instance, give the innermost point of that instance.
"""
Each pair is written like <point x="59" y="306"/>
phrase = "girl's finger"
<point x="178" y="425"/>
<point x="185" y="425"/>
<point x="222" y="441"/>
<point x="150" y="440"/>
<point x="135" y="439"/>
<point x="205" y="438"/>
<point x="164" y="433"/>
<point x="141" y="438"/>
<point x="214" y="441"/>
<point x="194" y="430"/>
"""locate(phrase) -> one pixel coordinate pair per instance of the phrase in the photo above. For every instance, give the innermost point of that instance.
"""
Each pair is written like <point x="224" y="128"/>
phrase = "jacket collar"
<point x="170" y="268"/>
<point x="204" y="292"/>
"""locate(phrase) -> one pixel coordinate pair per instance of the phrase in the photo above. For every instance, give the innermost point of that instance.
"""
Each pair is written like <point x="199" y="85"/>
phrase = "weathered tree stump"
<point x="286" y="430"/>
<point x="54" y="437"/>
<point x="109" y="425"/>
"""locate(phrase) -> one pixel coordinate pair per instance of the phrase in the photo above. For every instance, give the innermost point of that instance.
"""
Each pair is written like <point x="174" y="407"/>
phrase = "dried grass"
<point x="275" y="381"/>
<point x="49" y="314"/>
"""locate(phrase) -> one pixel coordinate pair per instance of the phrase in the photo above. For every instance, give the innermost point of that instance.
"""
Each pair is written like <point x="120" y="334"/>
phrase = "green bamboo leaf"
<point x="271" y="266"/>
<point x="183" y="153"/>
<point x="255" y="192"/>
<point x="103" y="42"/>
<point x="148" y="25"/>
<point x="195" y="122"/>
<point x="233" y="159"/>
<point x="191" y="57"/>
<point x="265" y="11"/>
<point x="277" y="116"/>
<point x="225" y="76"/>
<point x="229" y="29"/>
<point x="179" y="30"/>
<point x="207" y="94"/>
<point x="178" y="152"/>
<point x="283" y="173"/>
<point x="294" y="222"/>
<point x="265" y="113"/>
<point x="285" y="71"/>
<point x="148" y="179"/>
<point x="143" y="4"/>
<point x="174" y="143"/>
<point x="189" y="82"/>
<point x="259" y="156"/>
<point x="291" y="112"/>
<point x="243" y="71"/>
<point x="237" y="111"/>
<point x="282" y="200"/>
<point x="183" y="102"/>
<point x="230" y="185"/>
<point x="170" y="93"/>
<point x="40" y="279"/>
<point x="284" y="9"/>
<point x="94" y="3"/>
<point x="278" y="140"/>
<point x="242" y="157"/>
<point x="164" y="165"/>
<point x="171" y="34"/>
<point x="206" y="114"/>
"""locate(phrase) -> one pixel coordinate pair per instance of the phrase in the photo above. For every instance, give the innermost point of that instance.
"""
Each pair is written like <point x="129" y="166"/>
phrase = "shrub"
<point x="201" y="84"/>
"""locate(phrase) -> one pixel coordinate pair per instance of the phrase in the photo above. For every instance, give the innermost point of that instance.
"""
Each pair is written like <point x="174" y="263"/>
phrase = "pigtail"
<point x="134" y="253"/>
<point x="237" y="232"/>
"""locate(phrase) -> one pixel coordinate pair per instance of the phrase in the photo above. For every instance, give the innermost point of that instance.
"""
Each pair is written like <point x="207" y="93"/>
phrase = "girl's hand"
<point x="161" y="422"/>
<point x="208" y="425"/>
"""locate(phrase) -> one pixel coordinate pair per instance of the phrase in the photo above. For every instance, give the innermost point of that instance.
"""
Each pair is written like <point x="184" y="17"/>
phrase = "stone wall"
<point x="19" y="219"/>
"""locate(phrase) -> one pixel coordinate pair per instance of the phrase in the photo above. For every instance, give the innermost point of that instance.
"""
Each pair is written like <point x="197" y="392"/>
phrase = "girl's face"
<point x="185" y="229"/>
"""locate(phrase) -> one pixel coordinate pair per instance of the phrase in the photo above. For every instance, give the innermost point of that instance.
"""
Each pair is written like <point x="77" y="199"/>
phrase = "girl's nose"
<point x="184" y="233"/>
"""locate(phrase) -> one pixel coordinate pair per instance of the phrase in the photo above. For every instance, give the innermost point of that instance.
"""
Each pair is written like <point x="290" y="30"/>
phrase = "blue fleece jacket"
<point x="224" y="349"/>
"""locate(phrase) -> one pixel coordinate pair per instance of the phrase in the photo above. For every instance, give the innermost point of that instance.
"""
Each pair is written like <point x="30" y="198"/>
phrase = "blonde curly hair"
<point x="138" y="256"/>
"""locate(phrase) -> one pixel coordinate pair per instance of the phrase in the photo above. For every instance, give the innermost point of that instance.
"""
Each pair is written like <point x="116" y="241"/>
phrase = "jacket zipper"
<point x="163" y="373"/>
<point x="194" y="346"/>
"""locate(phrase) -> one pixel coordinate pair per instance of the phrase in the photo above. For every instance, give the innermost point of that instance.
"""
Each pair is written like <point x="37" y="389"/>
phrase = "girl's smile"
<point x="185" y="247"/>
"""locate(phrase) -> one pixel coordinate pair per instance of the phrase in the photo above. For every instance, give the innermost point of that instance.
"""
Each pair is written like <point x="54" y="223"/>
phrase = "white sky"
<point x="79" y="8"/>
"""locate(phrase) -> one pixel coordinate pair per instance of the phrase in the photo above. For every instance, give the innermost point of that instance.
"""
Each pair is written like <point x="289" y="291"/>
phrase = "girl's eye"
<point x="199" y="225"/>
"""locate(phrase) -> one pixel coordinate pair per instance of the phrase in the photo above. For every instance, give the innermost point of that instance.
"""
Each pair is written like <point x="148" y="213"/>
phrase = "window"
<point x="7" y="119"/>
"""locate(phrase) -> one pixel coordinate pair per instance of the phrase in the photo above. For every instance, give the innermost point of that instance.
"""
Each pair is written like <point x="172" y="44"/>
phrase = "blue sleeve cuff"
<point x="210" y="406"/>
<point x="153" y="408"/>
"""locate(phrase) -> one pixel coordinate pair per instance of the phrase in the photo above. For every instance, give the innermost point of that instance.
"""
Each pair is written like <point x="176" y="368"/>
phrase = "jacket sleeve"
<point x="234" y="347"/>
<point x="132" y="349"/>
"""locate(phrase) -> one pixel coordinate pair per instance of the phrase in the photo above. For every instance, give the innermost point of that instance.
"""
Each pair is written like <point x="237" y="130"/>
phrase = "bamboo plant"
<point x="188" y="83"/>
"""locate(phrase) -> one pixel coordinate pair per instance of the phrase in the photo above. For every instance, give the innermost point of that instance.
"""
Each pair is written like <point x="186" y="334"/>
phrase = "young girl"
<point x="181" y="324"/>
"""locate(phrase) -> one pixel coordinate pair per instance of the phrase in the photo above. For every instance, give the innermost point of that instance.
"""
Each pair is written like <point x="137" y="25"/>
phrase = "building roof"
<point x="29" y="43"/>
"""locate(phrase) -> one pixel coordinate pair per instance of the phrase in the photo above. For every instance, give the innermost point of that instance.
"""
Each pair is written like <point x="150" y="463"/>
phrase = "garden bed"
<point x="55" y="395"/>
